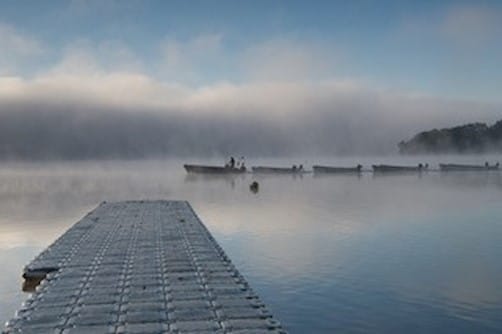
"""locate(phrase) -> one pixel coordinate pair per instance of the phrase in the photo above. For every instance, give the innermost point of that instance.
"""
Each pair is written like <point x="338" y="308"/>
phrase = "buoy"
<point x="254" y="187"/>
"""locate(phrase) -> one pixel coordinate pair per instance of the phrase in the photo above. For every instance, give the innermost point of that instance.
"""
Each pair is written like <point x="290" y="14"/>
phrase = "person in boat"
<point x="359" y="167"/>
<point x="231" y="164"/>
<point x="294" y="168"/>
<point x="420" y="166"/>
<point x="300" y="168"/>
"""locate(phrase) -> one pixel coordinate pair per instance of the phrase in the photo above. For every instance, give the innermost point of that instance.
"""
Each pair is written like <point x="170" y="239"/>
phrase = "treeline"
<point x="469" y="138"/>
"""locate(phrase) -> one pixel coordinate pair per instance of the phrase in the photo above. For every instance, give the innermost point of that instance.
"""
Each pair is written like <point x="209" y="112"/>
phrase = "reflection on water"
<point x="349" y="253"/>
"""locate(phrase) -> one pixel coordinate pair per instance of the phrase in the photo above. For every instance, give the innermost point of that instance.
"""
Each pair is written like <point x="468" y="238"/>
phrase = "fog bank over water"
<point x="134" y="116"/>
<point x="333" y="79"/>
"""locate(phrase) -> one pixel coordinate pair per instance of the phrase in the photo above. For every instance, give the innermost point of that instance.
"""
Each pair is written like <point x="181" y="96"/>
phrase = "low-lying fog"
<point x="129" y="116"/>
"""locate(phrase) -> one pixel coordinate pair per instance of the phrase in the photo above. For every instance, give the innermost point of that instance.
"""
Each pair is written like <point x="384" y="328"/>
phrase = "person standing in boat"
<point x="232" y="162"/>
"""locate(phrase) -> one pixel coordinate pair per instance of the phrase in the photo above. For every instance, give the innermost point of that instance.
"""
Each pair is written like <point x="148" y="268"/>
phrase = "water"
<point x="350" y="254"/>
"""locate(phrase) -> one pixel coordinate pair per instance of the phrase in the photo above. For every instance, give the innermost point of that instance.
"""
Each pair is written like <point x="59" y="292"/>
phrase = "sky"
<point x="282" y="68"/>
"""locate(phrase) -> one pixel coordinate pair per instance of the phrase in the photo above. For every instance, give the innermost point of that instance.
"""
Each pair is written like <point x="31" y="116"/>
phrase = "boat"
<point x="278" y="170"/>
<point x="204" y="169"/>
<point x="393" y="168"/>
<point x="334" y="170"/>
<point x="461" y="167"/>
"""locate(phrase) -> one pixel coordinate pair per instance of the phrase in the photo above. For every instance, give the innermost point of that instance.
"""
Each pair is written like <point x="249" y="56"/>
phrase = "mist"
<point x="331" y="124"/>
<point x="58" y="119"/>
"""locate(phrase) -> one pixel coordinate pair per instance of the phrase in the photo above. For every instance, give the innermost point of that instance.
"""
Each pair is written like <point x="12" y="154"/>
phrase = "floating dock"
<point x="145" y="267"/>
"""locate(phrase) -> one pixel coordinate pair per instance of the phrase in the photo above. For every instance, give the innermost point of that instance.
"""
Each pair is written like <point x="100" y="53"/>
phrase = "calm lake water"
<point x="368" y="254"/>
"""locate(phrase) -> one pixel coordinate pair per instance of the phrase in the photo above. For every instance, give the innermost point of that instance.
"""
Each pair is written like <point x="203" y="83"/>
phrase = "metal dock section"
<point x="139" y="267"/>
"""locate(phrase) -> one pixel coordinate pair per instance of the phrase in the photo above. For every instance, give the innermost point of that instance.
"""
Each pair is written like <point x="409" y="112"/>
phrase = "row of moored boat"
<point x="318" y="169"/>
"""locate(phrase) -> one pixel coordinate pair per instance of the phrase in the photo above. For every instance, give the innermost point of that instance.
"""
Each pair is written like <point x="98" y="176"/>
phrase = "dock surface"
<point x="139" y="267"/>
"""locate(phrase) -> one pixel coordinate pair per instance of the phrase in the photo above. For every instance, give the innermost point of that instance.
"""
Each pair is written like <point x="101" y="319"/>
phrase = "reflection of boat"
<point x="213" y="177"/>
<point x="331" y="169"/>
<point x="278" y="170"/>
<point x="392" y="168"/>
<point x="459" y="167"/>
<point x="213" y="169"/>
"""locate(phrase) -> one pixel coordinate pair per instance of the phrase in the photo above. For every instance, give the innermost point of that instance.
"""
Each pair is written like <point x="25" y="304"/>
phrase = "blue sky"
<point x="444" y="48"/>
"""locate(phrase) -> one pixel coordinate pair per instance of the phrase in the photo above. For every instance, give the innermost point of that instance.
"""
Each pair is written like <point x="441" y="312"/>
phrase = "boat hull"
<point x="397" y="169"/>
<point x="335" y="170"/>
<point x="277" y="170"/>
<point x="203" y="169"/>
<point x="464" y="168"/>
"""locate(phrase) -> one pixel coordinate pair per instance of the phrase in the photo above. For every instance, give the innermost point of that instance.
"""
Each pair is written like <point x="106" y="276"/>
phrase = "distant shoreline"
<point x="473" y="138"/>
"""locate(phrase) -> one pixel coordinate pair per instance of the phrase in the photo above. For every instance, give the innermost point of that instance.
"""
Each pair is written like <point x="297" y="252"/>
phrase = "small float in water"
<point x="461" y="167"/>
<point x="399" y="169"/>
<point x="336" y="170"/>
<point x="254" y="187"/>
